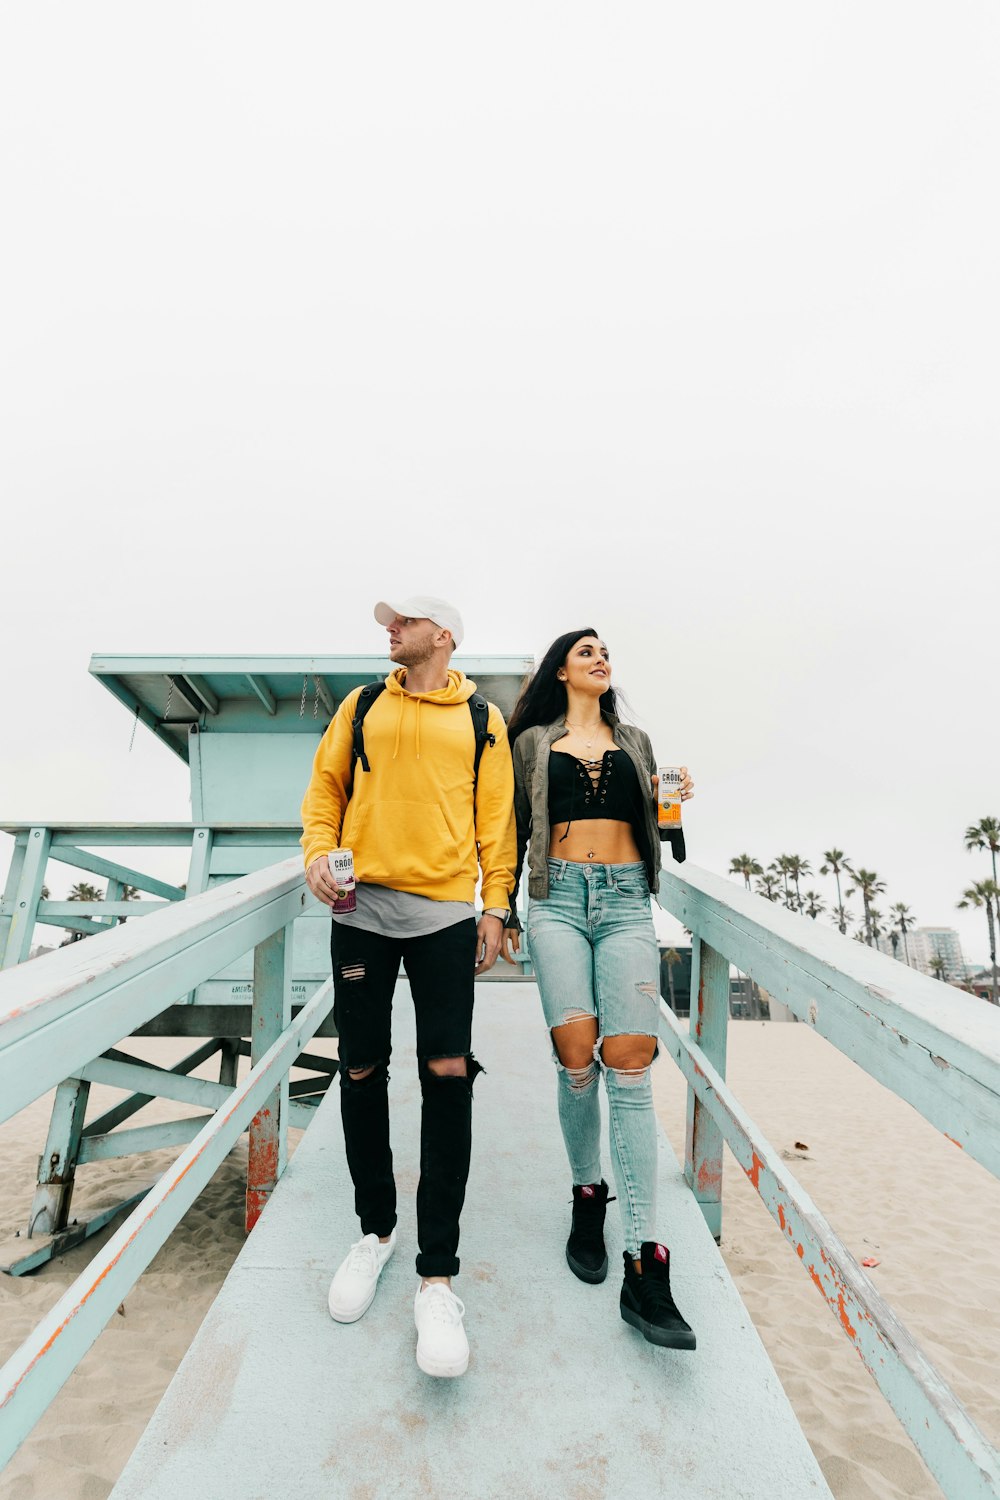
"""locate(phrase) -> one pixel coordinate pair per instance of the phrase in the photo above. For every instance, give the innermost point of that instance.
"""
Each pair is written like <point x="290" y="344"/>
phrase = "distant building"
<point x="924" y="943"/>
<point x="981" y="984"/>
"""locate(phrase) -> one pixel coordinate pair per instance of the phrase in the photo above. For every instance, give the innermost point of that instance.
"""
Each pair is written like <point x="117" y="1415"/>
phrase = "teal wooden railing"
<point x="60" y="1017"/>
<point x="931" y="1044"/>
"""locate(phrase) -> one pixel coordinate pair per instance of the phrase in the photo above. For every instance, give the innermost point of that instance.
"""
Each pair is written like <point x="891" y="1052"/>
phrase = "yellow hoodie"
<point x="410" y="820"/>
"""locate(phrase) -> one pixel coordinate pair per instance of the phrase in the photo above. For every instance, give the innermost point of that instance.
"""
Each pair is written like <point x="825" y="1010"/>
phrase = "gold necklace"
<point x="582" y="731"/>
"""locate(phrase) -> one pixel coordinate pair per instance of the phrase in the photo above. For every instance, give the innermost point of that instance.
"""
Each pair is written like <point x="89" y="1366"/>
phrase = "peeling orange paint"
<point x="953" y="1141"/>
<point x="709" y="1175"/>
<point x="849" y="1328"/>
<point x="781" y="1217"/>
<point x="753" y="1171"/>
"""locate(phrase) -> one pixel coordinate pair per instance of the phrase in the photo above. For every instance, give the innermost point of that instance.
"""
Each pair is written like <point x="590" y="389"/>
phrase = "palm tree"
<point x="984" y="893"/>
<point x="782" y="867"/>
<point x="797" y="867"/>
<point x="82" y="891"/>
<point x="937" y="966"/>
<point x="841" y="915"/>
<point x="835" y="860"/>
<point x="985" y="835"/>
<point x="869" y="885"/>
<point x="904" y="921"/>
<point x="814" y="904"/>
<point x="745" y="865"/>
<point x="128" y="893"/>
<point x="767" y="886"/>
<point x="876" y="920"/>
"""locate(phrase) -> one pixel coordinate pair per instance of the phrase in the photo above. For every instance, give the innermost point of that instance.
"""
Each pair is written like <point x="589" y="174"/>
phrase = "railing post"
<point x="24" y="906"/>
<point x="272" y="1012"/>
<point x="710" y="1024"/>
<point x="57" y="1169"/>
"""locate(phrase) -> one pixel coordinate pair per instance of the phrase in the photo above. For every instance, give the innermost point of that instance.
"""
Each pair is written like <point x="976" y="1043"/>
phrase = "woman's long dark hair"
<point x="543" y="697"/>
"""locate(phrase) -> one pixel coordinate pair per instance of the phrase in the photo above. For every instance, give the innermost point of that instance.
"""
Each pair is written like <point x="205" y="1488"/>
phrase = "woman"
<point x="585" y="800"/>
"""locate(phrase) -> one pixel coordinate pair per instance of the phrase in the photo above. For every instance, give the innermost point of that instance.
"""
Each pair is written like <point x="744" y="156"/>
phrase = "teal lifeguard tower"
<point x="561" y="1399"/>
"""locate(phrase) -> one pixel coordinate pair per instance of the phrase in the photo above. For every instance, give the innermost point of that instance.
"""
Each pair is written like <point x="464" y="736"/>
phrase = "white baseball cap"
<point x="423" y="607"/>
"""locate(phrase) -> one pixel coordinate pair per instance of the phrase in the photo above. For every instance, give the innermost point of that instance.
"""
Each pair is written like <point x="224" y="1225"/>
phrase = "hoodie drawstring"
<point x="399" y="726"/>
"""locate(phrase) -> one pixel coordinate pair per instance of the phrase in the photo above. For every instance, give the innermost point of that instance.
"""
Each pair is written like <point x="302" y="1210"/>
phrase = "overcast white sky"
<point x="678" y="320"/>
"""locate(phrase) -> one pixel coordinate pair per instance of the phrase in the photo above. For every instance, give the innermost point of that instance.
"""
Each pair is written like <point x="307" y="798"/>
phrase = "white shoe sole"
<point x="446" y="1370"/>
<point x="354" y="1314"/>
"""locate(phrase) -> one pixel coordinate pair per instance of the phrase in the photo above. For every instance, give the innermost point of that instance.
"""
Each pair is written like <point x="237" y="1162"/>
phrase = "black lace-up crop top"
<point x="605" y="788"/>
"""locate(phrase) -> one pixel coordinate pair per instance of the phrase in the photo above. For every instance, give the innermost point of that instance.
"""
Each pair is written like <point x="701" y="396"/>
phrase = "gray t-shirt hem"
<point x="402" y="914"/>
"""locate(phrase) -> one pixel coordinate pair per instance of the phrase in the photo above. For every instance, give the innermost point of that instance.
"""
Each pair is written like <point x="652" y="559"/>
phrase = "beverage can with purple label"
<point x="341" y="862"/>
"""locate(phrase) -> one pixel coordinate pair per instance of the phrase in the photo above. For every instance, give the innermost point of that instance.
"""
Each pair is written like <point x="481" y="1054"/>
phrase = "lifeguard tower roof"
<point x="266" y="694"/>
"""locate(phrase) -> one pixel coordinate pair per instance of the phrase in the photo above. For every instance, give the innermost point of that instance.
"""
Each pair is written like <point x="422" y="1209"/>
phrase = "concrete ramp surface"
<point x="562" y="1401"/>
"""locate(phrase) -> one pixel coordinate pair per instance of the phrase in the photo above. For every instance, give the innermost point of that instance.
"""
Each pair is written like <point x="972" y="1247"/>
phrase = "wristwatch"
<point x="503" y="912"/>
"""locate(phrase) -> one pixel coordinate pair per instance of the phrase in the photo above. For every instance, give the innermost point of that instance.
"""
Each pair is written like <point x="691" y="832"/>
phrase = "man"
<point x="403" y="793"/>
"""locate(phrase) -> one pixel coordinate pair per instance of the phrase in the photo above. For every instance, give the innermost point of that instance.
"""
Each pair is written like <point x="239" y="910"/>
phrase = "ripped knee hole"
<point x="629" y="1077"/>
<point x="581" y="1079"/>
<point x="351" y="973"/>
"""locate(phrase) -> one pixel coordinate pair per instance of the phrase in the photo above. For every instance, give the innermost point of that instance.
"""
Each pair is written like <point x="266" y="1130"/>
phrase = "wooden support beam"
<point x="272" y="1011"/>
<point x="118" y="1143"/>
<point x="129" y="1107"/>
<point x="48" y="911"/>
<point x="261" y="690"/>
<point x="57" y="1167"/>
<point x="81" y="859"/>
<point x="24" y="902"/>
<point x="709" y="1027"/>
<point x="7" y="906"/>
<point x="20" y="1254"/>
<point x="206" y="698"/>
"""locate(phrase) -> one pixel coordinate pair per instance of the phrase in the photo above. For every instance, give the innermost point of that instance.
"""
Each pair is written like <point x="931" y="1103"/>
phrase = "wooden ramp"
<point x="561" y="1399"/>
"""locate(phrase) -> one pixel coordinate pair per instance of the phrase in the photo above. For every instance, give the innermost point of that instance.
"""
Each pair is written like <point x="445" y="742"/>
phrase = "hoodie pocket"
<point x="404" y="843"/>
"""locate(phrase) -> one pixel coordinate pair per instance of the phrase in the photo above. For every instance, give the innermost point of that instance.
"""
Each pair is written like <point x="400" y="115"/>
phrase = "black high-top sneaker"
<point x="585" y="1250"/>
<point x="647" y="1302"/>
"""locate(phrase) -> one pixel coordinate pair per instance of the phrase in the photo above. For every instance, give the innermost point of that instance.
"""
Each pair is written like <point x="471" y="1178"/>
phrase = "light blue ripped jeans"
<point x="595" y="954"/>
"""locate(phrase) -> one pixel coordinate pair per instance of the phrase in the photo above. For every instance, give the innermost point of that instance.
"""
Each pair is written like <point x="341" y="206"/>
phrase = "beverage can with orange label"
<point x="668" y="796"/>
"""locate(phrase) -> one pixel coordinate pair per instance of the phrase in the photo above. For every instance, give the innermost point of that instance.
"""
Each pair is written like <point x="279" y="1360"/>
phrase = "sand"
<point x="890" y="1185"/>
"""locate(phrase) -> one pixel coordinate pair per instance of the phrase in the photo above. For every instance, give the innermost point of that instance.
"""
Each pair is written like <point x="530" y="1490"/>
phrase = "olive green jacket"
<point x="531" y="802"/>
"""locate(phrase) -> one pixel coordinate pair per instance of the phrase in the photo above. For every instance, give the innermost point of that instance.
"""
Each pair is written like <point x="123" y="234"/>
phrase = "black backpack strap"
<point x="480" y="711"/>
<point x="478" y="707"/>
<point x="369" y="693"/>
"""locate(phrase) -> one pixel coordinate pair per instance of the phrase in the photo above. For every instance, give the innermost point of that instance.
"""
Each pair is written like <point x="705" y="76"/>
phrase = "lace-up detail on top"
<point x="605" y="788"/>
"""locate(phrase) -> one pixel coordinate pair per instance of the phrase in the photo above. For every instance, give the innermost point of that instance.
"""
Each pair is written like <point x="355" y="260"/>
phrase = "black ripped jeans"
<point x="440" y="968"/>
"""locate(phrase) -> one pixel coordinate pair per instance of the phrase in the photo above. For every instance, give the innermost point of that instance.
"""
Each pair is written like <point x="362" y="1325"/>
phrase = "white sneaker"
<point x="442" y="1347"/>
<point x="352" y="1289"/>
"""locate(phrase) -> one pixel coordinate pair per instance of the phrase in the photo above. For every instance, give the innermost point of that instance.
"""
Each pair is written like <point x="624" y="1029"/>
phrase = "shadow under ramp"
<point x="562" y="1400"/>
